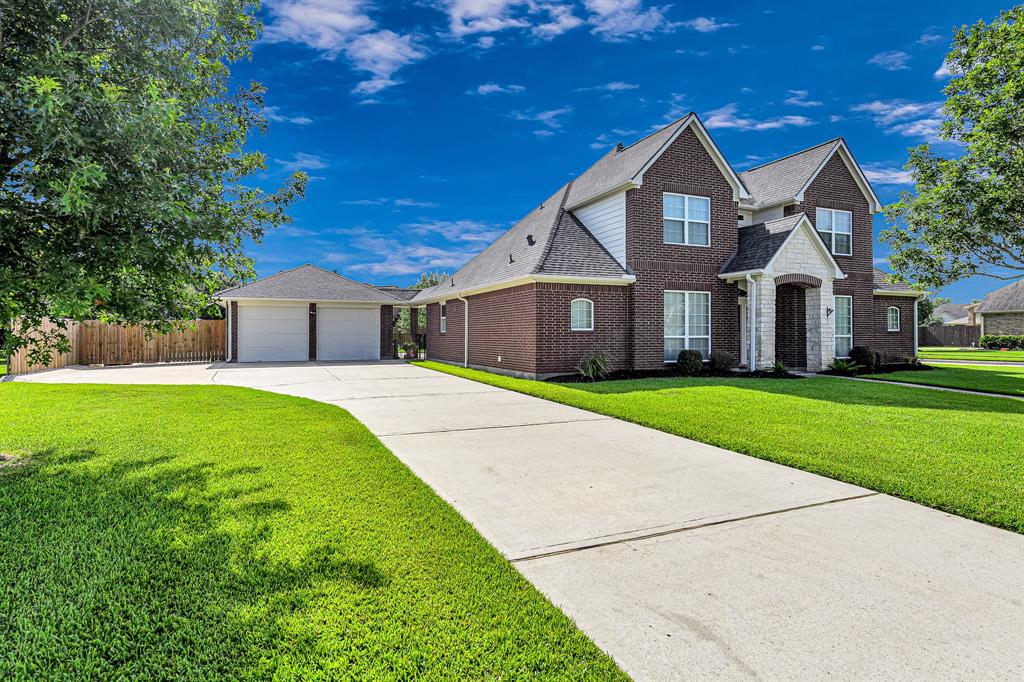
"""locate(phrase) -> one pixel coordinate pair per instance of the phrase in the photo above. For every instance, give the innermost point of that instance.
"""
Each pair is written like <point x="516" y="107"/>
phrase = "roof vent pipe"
<point x="530" y="240"/>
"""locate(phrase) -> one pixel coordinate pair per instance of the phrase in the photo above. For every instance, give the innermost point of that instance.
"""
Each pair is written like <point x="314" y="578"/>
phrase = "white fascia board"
<point x="902" y="293"/>
<point x="350" y="304"/>
<point x="739" y="275"/>
<point x="526" y="279"/>
<point x="739" y="190"/>
<point x="603" y="195"/>
<point x="874" y="205"/>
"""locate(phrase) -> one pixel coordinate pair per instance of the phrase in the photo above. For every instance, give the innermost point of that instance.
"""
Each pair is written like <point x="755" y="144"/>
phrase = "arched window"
<point x="893" y="317"/>
<point x="582" y="315"/>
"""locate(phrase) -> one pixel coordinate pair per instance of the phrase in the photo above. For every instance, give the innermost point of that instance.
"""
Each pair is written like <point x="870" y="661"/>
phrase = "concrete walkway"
<point x="681" y="560"/>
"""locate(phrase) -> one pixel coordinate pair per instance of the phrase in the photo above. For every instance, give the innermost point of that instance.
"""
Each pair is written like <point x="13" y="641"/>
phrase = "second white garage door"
<point x="347" y="333"/>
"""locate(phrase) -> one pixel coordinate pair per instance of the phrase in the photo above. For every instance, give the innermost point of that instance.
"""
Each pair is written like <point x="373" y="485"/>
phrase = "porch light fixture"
<point x="829" y="311"/>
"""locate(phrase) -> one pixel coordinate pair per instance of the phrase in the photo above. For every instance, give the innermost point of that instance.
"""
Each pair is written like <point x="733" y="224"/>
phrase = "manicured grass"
<point x="1004" y="379"/>
<point x="216" y="532"/>
<point x="956" y="452"/>
<point x="944" y="353"/>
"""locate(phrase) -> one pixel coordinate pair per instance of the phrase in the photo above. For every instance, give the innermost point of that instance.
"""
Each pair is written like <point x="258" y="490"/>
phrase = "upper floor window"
<point x="893" y="318"/>
<point x="581" y="312"/>
<point x="836" y="228"/>
<point x="687" y="220"/>
<point x="444" y="318"/>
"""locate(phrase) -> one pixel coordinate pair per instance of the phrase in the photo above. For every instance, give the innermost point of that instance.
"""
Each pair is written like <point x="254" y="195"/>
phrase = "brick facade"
<point x="893" y="345"/>
<point x="685" y="168"/>
<point x="791" y="325"/>
<point x="999" y="324"/>
<point x="387" y="331"/>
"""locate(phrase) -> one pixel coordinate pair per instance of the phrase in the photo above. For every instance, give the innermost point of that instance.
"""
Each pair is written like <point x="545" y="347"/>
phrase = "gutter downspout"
<point x="916" y="300"/>
<point x="227" y="353"/>
<point x="752" y="305"/>
<point x="465" y="332"/>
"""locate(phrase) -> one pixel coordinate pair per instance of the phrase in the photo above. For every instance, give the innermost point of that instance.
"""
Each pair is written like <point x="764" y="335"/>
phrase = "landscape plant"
<point x="594" y="365"/>
<point x="689" y="362"/>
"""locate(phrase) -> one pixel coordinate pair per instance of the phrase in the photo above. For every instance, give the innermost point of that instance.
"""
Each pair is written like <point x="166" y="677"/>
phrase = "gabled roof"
<point x="308" y="283"/>
<point x="625" y="165"/>
<point x="1006" y="299"/>
<point x="786" y="179"/>
<point x="956" y="310"/>
<point x="561" y="247"/>
<point x="884" y="283"/>
<point x="757" y="245"/>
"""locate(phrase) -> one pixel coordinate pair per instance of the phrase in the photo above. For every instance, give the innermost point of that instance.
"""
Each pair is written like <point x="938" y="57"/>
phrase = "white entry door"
<point x="347" y="333"/>
<point x="273" y="332"/>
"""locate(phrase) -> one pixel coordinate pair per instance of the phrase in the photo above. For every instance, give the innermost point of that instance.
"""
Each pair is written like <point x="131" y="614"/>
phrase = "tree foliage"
<point x="967" y="215"/>
<point x="123" y="160"/>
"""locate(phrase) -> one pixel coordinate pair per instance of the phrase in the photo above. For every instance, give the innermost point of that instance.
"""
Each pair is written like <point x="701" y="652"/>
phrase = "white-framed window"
<point x="581" y="312"/>
<point x="687" y="323"/>
<point x="892" y="317"/>
<point x="686" y="219"/>
<point x="843" y="306"/>
<point x="444" y="317"/>
<point x="836" y="228"/>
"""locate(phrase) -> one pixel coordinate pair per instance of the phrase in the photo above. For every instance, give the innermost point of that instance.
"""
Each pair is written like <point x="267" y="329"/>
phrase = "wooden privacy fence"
<point x="942" y="335"/>
<point x="96" y="343"/>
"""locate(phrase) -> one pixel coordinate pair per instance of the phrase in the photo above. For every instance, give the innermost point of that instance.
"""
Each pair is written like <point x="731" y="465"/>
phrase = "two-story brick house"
<point x="661" y="246"/>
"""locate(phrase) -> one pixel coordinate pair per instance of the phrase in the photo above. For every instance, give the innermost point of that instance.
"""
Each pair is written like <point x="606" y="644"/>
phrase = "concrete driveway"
<point x="681" y="560"/>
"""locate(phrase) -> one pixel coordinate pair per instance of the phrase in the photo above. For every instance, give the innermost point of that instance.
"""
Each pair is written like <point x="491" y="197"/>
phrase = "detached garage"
<point x="307" y="313"/>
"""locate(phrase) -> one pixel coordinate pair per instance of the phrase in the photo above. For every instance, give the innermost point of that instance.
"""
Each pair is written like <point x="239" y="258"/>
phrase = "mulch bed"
<point x="626" y="375"/>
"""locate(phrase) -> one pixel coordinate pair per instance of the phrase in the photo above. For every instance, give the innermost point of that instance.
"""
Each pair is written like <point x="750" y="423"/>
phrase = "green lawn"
<point x="956" y="452"/>
<point x="217" y="532"/>
<point x="988" y="378"/>
<point x="946" y="353"/>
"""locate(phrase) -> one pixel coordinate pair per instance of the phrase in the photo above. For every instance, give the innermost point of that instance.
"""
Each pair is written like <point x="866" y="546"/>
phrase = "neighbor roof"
<point x="1007" y="299"/>
<point x="309" y="283"/>
<point x="561" y="246"/>
<point x="757" y="244"/>
<point x="784" y="178"/>
<point x="957" y="310"/>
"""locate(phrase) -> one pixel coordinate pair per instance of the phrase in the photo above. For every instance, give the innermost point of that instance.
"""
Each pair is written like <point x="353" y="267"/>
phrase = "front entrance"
<point x="791" y="325"/>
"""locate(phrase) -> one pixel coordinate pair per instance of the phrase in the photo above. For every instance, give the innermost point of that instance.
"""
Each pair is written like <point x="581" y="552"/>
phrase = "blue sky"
<point x="430" y="127"/>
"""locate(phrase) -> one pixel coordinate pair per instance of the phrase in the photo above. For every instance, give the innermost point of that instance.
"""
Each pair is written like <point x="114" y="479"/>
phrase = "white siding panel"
<point x="606" y="220"/>
<point x="767" y="214"/>
<point x="346" y="333"/>
<point x="273" y="333"/>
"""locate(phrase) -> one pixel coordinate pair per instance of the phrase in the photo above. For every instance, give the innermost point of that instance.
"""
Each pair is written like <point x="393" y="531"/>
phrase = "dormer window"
<point x="686" y="219"/>
<point x="836" y="228"/>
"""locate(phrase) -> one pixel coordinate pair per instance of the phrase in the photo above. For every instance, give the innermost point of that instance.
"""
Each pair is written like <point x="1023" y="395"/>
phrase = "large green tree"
<point x="123" y="160"/>
<point x="967" y="214"/>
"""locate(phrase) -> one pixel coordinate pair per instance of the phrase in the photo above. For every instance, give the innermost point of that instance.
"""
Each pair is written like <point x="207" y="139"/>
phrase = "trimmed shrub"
<point x="412" y="351"/>
<point x="594" y="365"/>
<point x="1014" y="341"/>
<point x="779" y="367"/>
<point x="689" y="362"/>
<point x="844" y="367"/>
<point x="866" y="358"/>
<point x="721" y="360"/>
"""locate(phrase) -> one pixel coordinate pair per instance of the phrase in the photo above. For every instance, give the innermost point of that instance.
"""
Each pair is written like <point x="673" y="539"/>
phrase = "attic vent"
<point x="530" y="240"/>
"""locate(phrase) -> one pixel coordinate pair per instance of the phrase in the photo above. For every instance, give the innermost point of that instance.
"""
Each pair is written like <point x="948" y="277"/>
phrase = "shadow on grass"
<point x="142" y="567"/>
<point x="834" y="390"/>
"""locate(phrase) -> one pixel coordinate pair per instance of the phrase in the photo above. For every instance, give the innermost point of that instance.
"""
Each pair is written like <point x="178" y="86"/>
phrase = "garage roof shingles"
<point x="309" y="283"/>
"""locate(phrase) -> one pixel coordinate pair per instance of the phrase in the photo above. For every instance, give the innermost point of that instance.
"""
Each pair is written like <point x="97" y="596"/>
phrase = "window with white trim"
<point x="686" y="219"/>
<point x="444" y="317"/>
<point x="843" y="306"/>
<point x="581" y="313"/>
<point x="893" y="318"/>
<point x="687" y="323"/>
<point x="836" y="228"/>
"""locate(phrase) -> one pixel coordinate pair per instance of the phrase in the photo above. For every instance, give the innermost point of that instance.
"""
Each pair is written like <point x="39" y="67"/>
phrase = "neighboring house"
<point x="954" y="314"/>
<point x="1002" y="311"/>
<point x="662" y="246"/>
<point x="308" y="313"/>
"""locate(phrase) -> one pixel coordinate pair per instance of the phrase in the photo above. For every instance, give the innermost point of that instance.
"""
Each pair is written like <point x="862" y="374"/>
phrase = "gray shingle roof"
<point x="957" y="310"/>
<point x="398" y="292"/>
<point x="1008" y="298"/>
<point x="757" y="244"/>
<point x="783" y="178"/>
<point x="561" y="246"/>
<point x="309" y="283"/>
<point x="884" y="282"/>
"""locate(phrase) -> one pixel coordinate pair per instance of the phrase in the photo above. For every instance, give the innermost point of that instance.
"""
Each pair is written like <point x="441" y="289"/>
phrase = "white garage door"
<point x="273" y="333"/>
<point x="347" y="333"/>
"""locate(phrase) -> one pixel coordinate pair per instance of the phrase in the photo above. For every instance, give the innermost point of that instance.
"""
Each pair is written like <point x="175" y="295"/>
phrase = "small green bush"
<point x="844" y="367"/>
<point x="779" y="367"/>
<point x="869" y="359"/>
<point x="1013" y="341"/>
<point x="689" y="362"/>
<point x="721" y="360"/>
<point x="594" y="365"/>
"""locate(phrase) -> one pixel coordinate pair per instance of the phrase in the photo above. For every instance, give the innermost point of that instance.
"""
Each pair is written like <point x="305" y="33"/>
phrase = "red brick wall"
<point x="791" y="325"/>
<point x="447" y="346"/>
<point x="686" y="168"/>
<point x="893" y="345"/>
<point x="387" y="316"/>
<point x="559" y="349"/>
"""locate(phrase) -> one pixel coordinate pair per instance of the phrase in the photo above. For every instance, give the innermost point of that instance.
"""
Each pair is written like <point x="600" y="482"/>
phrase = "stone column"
<point x="765" y="325"/>
<point x="820" y="327"/>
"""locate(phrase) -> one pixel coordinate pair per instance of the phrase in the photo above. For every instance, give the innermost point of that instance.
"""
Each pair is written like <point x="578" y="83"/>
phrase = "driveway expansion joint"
<point x="500" y="426"/>
<point x="685" y="529"/>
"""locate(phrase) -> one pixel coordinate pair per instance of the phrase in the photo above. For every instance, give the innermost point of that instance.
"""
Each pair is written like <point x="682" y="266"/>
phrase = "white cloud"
<point x="943" y="71"/>
<point x="835" y="118"/>
<point x="274" y="114"/>
<point x="893" y="60"/>
<point x="620" y="20"/>
<point x="706" y="24"/>
<point x="408" y="259"/>
<point x="614" y="86"/>
<point x="543" y="132"/>
<point x="798" y="98"/>
<point x="725" y="117"/>
<point x="561" y="20"/>
<point x="495" y="89"/>
<point x="747" y="91"/>
<point x="344" y="27"/>
<point x="887" y="176"/>
<point x="466" y="17"/>
<point x="817" y="48"/>
<point x="910" y="119"/>
<point x="385" y="201"/>
<point x="485" y="42"/>
<point x="929" y="37"/>
<point x="458" y="230"/>
<point x="366" y="202"/>
<point x="414" y="203"/>
<point x="550" y="118"/>
<point x="302" y="161"/>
